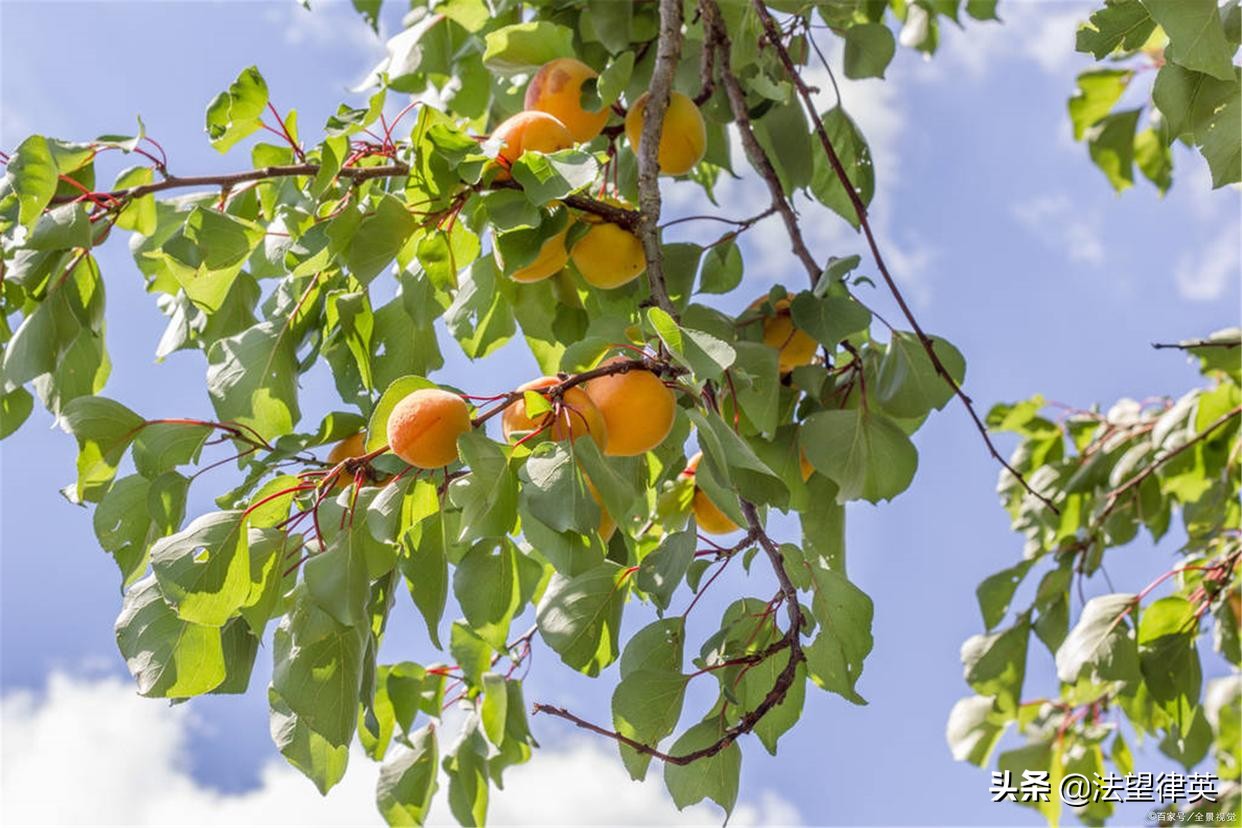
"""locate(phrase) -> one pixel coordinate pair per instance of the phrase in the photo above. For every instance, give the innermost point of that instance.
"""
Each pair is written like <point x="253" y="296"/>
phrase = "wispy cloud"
<point x="127" y="759"/>
<point x="1058" y="223"/>
<point x="1206" y="275"/>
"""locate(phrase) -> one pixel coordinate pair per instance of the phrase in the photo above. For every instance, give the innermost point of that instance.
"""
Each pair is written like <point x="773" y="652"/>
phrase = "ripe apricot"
<point x="606" y="523"/>
<point x="608" y="255"/>
<point x="684" y="139"/>
<point x="578" y="417"/>
<point x="533" y="131"/>
<point x="707" y="514"/>
<point x="557" y="90"/>
<point x="638" y="410"/>
<point x="423" y="428"/>
<point x="352" y="446"/>
<point x="796" y="347"/>
<point x="551" y="259"/>
<point x="805" y="466"/>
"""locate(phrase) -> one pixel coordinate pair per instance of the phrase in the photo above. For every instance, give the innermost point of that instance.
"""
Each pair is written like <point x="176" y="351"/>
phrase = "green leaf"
<point x="704" y="354"/>
<point x="407" y="782"/>
<point x="1123" y="24"/>
<point x="424" y="564"/>
<point x="714" y="778"/>
<point x="869" y="48"/>
<point x="1097" y="91"/>
<point x="15" y="408"/>
<point x="1102" y="642"/>
<point x="1196" y="36"/>
<point x="204" y="571"/>
<point x="526" y="46"/>
<point x="1222" y="146"/>
<point x="235" y="113"/>
<point x="162" y="447"/>
<point x="665" y="567"/>
<point x="866" y="454"/>
<point x="336" y="578"/>
<point x="996" y="664"/>
<point x="855" y="157"/>
<point x="722" y="268"/>
<point x="753" y="686"/>
<point x="308" y="751"/>
<point x="318" y="669"/>
<point x="378" y="239"/>
<point x="168" y="657"/>
<point x="1154" y="158"/>
<point x="971" y="732"/>
<point x="1111" y="146"/>
<point x="32" y="173"/>
<point x="466" y="767"/>
<point x="61" y="228"/>
<point x="830" y="319"/>
<point x="835" y="658"/>
<point x="252" y="379"/>
<point x="1169" y="659"/>
<point x="546" y="178"/>
<point x="123" y="526"/>
<point x="486" y="587"/>
<point x="580" y="617"/>
<point x="481" y="315"/>
<point x="647" y="704"/>
<point x="103" y="430"/>
<point x="495" y="707"/>
<point x="616" y="76"/>
<point x="996" y="591"/>
<point x="487" y="496"/>
<point x="908" y="385"/>
<point x="552" y="489"/>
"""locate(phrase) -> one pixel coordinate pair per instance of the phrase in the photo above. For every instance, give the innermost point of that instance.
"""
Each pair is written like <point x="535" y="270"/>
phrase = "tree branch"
<point x="718" y="36"/>
<point x="1198" y="343"/>
<point x="628" y="219"/>
<point x="668" y="53"/>
<point x="773" y="35"/>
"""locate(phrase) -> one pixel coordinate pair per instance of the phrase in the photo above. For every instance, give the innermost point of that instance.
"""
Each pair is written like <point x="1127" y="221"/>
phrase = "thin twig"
<point x="860" y="209"/>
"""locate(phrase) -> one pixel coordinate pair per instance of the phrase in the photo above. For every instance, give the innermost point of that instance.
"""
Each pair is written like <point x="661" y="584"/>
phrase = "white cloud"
<point x="1041" y="32"/>
<point x="1058" y="223"/>
<point x="91" y="752"/>
<point x="326" y="24"/>
<point x="1206" y="276"/>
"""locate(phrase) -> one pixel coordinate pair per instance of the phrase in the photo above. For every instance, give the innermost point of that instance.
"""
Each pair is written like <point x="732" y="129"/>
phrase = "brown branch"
<point x="1198" y="343"/>
<point x="668" y="52"/>
<point x="227" y="181"/>
<point x="718" y="36"/>
<point x="773" y="35"/>
<point x="1115" y="495"/>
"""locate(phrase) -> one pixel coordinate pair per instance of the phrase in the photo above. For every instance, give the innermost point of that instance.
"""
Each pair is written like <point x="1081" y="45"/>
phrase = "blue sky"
<point x="1008" y="241"/>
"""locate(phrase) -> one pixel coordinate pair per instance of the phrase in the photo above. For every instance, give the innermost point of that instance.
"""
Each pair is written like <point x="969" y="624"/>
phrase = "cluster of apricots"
<point x="627" y="413"/>
<point x="607" y="255"/>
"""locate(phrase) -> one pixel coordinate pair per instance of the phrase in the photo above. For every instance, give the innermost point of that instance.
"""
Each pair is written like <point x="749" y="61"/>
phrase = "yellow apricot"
<point x="608" y="255"/>
<point x="805" y="466"/>
<point x="684" y="139"/>
<point x="423" y="428"/>
<point x="551" y="259"/>
<point x="606" y="523"/>
<point x="707" y="514"/>
<point x="352" y="446"/>
<point x="796" y="347"/>
<point x="533" y="131"/>
<point x="557" y="90"/>
<point x="578" y="418"/>
<point x="355" y="445"/>
<point x="638" y="410"/>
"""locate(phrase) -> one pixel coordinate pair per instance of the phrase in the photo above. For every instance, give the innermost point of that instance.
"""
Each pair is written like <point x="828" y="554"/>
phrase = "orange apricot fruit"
<point x="557" y="90"/>
<point x="607" y="525"/>
<point x="796" y="346"/>
<point x="529" y="131"/>
<point x="608" y="255"/>
<point x="638" y="410"/>
<point x="707" y="514"/>
<point x="551" y="259"/>
<point x="578" y="416"/>
<point x="683" y="140"/>
<point x="424" y="426"/>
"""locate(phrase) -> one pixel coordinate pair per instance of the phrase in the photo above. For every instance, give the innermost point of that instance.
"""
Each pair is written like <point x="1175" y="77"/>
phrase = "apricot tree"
<point x="540" y="130"/>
